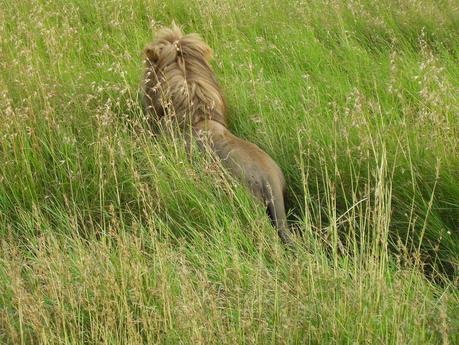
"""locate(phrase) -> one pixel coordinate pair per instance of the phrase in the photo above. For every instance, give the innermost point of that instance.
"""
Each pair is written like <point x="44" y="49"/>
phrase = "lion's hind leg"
<point x="274" y="198"/>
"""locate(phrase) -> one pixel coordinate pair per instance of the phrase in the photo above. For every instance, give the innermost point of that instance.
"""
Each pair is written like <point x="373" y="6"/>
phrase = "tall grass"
<point x="111" y="235"/>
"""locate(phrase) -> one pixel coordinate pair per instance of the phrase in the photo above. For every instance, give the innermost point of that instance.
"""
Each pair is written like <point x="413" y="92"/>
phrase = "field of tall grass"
<point x="110" y="235"/>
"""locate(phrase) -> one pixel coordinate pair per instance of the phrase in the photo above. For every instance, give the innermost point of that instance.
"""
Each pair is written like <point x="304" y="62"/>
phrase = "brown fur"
<point x="180" y="84"/>
<point x="250" y="164"/>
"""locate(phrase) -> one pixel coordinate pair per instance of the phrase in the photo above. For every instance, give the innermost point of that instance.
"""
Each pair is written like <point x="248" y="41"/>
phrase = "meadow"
<point x="111" y="235"/>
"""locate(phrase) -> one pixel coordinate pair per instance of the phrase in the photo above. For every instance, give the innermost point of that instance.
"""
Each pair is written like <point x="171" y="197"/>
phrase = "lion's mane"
<point x="179" y="82"/>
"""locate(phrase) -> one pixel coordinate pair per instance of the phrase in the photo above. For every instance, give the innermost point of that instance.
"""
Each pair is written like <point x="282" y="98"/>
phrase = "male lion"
<point x="179" y="85"/>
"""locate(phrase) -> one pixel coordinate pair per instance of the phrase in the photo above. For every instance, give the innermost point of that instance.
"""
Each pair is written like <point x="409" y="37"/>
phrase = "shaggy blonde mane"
<point x="179" y="82"/>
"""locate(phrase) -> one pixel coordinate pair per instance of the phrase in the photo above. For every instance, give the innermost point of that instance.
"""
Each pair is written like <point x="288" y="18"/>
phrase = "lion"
<point x="179" y="86"/>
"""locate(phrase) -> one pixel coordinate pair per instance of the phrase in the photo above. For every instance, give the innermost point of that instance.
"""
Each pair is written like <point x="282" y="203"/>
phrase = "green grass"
<point x="111" y="236"/>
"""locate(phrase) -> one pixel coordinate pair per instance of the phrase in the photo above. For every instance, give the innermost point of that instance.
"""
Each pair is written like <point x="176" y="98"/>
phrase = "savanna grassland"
<point x="110" y="235"/>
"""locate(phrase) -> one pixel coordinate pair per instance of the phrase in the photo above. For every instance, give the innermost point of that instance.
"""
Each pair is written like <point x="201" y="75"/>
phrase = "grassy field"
<point x="109" y="235"/>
